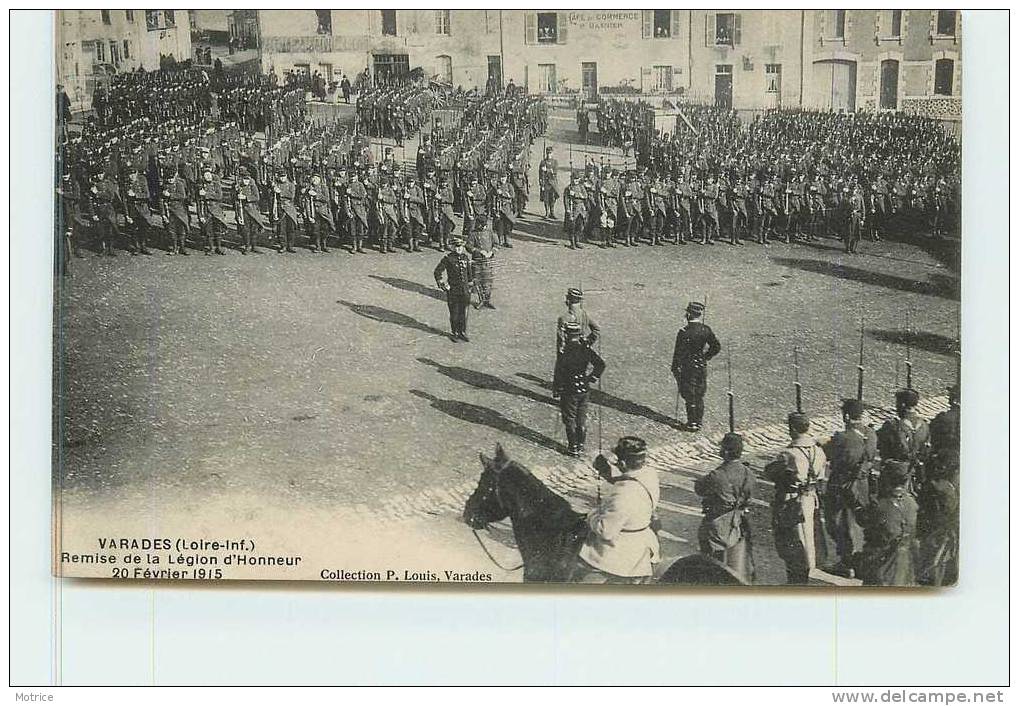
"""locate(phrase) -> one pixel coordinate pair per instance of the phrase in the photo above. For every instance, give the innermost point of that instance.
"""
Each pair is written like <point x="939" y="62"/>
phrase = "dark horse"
<point x="549" y="532"/>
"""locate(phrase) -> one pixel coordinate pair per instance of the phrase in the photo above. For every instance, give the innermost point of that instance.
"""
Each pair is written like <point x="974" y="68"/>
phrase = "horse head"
<point x="484" y="505"/>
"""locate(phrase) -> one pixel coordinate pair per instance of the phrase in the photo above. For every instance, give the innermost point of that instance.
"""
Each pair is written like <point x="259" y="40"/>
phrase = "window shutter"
<point x="530" y="28"/>
<point x="560" y="27"/>
<point x="737" y="29"/>
<point x="648" y="17"/>
<point x="674" y="23"/>
<point x="849" y="26"/>
<point x="709" y="29"/>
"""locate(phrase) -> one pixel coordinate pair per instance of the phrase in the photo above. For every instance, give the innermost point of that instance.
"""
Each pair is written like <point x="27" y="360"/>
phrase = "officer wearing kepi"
<point x="576" y="368"/>
<point x="455" y="276"/>
<point x="696" y="344"/>
<point x="622" y="546"/>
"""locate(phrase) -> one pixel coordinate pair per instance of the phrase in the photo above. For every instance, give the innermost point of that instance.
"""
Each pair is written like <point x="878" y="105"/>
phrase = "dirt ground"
<point x="327" y="381"/>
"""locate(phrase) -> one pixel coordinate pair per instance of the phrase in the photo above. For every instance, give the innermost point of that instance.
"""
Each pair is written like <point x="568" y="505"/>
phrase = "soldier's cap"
<point x="572" y="329"/>
<point x="574" y="294"/>
<point x="732" y="445"/>
<point x="852" y="408"/>
<point x="630" y="449"/>
<point x="907" y="398"/>
<point x="799" y="422"/>
<point x="894" y="472"/>
<point x="695" y="308"/>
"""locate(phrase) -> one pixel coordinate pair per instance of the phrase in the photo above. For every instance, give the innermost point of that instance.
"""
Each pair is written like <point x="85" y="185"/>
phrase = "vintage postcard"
<point x="478" y="296"/>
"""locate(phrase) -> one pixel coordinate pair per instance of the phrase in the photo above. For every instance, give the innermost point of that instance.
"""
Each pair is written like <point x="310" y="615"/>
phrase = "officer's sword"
<point x="859" y="367"/>
<point x="909" y="351"/>
<point x="798" y="388"/>
<point x="731" y="396"/>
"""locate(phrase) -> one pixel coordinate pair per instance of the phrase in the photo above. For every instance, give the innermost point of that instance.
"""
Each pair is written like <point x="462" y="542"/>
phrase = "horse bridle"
<point x="477" y="535"/>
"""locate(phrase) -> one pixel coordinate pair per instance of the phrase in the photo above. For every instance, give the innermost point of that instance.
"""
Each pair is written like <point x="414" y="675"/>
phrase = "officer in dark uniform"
<point x="139" y="211"/>
<point x="210" y="203"/>
<point x="455" y="276"/>
<point x="285" y="212"/>
<point x="548" y="182"/>
<point x="357" y="212"/>
<point x="575" y="370"/>
<point x="576" y="210"/>
<point x="696" y="344"/>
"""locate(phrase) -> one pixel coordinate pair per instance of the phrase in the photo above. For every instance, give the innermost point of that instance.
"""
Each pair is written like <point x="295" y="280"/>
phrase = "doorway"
<point x="589" y="79"/>
<point x="390" y="67"/>
<point x="889" y="84"/>
<point x="835" y="85"/>
<point x="723" y="86"/>
<point x="495" y="70"/>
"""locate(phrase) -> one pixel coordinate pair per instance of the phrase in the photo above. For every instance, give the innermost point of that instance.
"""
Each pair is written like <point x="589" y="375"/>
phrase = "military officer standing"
<point x="622" y="545"/>
<point x="853" y="224"/>
<point x="455" y="276"/>
<point x="444" y="204"/>
<point x="575" y="203"/>
<point x="696" y="344"/>
<point x="726" y="492"/>
<point x="210" y="204"/>
<point x="503" y="214"/>
<point x="175" y="213"/>
<point x="474" y="204"/>
<point x="388" y="216"/>
<point x="795" y="509"/>
<point x="286" y="212"/>
<point x="249" y="217"/>
<point x="548" y="182"/>
<point x="416" y="214"/>
<point x="318" y="211"/>
<point x="609" y="207"/>
<point x="852" y="458"/>
<point x="357" y="212"/>
<point x="139" y="213"/>
<point x="576" y="368"/>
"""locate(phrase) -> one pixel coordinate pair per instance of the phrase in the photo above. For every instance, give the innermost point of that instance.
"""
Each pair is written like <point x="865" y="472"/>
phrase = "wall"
<point x="868" y="41"/>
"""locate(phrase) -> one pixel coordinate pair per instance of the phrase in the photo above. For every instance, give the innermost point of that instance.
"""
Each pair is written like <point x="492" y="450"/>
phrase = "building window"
<point x="325" y="21"/>
<point x="946" y="23"/>
<point x="444" y="69"/>
<point x="303" y="70"/>
<point x="546" y="78"/>
<point x="663" y="24"/>
<point x="101" y="52"/>
<point x="114" y="53"/>
<point x="151" y="19"/>
<point x="663" y="79"/>
<point x="168" y="16"/>
<point x="889" y="84"/>
<point x="388" y="22"/>
<point x="727" y="29"/>
<point x="105" y="15"/>
<point x="127" y="49"/>
<point x="838" y="24"/>
<point x="442" y="22"/>
<point x="773" y="78"/>
<point x="896" y="24"/>
<point x="548" y="29"/>
<point x="129" y="15"/>
<point x="944" y="71"/>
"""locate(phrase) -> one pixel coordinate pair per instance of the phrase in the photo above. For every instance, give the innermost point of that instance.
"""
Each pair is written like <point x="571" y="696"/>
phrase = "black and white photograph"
<point x="619" y="297"/>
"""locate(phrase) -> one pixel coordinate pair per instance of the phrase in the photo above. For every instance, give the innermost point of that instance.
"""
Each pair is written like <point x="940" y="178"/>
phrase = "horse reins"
<point x="491" y="556"/>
